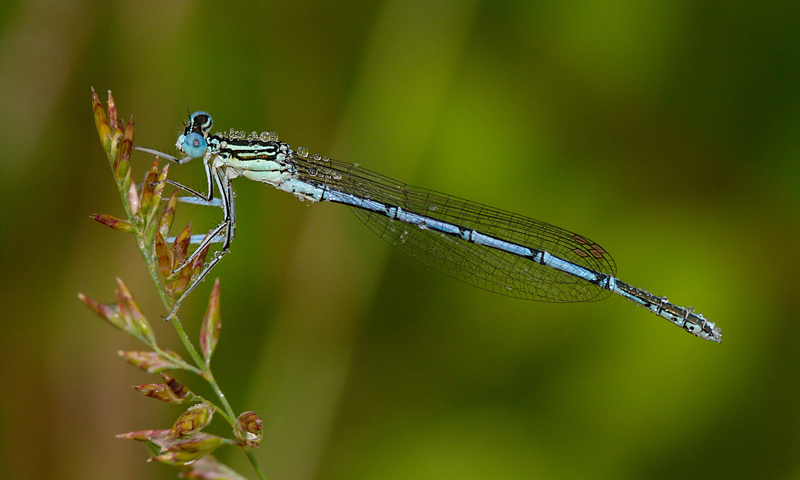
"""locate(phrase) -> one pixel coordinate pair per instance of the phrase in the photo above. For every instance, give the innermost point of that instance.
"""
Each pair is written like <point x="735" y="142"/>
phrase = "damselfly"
<point x="480" y="245"/>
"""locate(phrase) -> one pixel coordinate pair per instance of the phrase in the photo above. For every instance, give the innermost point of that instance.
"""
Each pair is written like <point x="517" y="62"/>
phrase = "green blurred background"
<point x="669" y="132"/>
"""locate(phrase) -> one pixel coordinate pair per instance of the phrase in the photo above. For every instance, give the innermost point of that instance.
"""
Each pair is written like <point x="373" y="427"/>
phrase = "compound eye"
<point x="200" y="122"/>
<point x="194" y="145"/>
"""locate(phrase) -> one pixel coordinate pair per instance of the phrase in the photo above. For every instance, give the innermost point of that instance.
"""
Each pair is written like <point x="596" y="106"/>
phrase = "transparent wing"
<point x="491" y="269"/>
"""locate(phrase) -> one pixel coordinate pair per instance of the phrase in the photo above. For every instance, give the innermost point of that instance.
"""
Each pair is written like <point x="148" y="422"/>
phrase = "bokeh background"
<point x="669" y="132"/>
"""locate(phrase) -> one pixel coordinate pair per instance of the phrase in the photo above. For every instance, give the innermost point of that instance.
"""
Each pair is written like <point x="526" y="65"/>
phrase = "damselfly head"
<point x="199" y="122"/>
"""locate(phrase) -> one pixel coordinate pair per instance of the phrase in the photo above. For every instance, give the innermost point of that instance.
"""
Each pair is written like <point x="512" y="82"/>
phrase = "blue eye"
<point x="194" y="145"/>
<point x="200" y="122"/>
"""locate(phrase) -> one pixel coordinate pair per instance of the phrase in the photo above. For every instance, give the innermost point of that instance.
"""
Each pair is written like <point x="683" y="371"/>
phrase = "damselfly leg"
<point x="222" y="233"/>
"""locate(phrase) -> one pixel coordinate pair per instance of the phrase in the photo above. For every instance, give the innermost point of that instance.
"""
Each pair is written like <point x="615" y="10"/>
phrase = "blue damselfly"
<point x="480" y="245"/>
